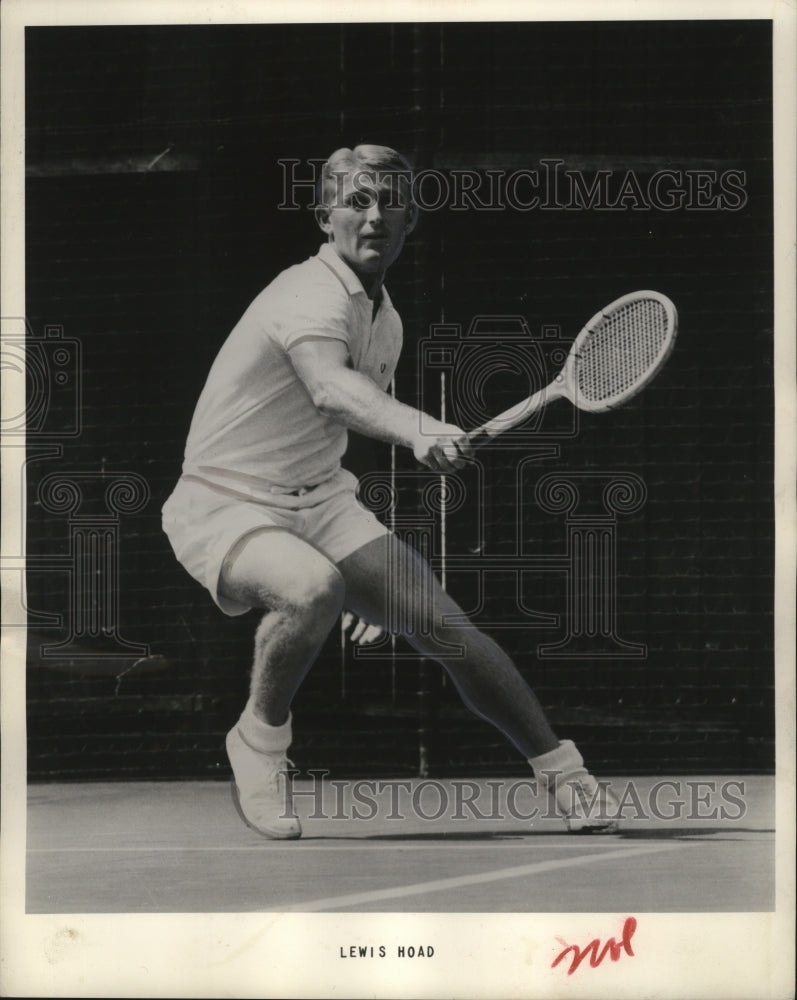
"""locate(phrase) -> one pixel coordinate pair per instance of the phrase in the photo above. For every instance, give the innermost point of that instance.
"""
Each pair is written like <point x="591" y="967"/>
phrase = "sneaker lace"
<point x="277" y="766"/>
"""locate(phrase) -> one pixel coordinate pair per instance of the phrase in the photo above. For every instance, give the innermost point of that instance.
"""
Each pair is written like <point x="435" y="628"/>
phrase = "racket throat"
<point x="516" y="416"/>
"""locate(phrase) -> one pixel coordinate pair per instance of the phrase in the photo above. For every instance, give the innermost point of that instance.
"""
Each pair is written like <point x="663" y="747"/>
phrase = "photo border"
<point x="496" y="955"/>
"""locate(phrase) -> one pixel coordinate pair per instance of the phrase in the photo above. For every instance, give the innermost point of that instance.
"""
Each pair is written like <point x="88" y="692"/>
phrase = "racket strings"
<point x="622" y="351"/>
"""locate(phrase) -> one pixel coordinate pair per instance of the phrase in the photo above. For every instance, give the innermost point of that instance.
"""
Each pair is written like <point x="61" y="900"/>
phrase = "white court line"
<point x="439" y="885"/>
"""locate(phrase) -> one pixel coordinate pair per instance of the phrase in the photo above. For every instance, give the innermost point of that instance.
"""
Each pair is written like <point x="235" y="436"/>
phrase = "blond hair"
<point x="369" y="158"/>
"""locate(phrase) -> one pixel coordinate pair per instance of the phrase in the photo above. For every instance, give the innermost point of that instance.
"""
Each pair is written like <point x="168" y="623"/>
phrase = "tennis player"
<point x="265" y="517"/>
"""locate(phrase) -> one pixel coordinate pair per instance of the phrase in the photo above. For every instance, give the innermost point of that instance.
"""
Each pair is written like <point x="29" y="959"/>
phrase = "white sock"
<point x="263" y="737"/>
<point x="562" y="762"/>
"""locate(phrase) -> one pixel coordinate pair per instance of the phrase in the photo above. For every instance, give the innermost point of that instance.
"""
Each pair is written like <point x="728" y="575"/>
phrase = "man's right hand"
<point x="442" y="447"/>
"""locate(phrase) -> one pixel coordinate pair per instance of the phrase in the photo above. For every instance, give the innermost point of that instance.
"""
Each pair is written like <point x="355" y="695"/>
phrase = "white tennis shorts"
<point x="203" y="522"/>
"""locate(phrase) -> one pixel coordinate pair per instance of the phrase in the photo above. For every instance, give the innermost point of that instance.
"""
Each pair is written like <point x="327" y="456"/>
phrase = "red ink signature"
<point x="597" y="954"/>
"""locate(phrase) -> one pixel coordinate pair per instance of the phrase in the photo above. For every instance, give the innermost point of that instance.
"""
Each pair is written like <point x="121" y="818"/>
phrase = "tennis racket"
<point x="613" y="358"/>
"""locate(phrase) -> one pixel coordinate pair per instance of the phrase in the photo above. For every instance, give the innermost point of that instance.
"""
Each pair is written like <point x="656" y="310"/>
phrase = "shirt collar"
<point x="348" y="278"/>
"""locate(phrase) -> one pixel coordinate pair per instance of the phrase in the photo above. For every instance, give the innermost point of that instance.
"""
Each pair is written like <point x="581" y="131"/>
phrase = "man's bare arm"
<point x="357" y="402"/>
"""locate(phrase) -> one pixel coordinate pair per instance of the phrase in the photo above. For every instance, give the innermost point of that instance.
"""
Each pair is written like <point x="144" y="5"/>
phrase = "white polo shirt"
<point x="255" y="425"/>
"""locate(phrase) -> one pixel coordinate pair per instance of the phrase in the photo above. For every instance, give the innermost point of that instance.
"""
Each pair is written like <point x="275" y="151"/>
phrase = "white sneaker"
<point x="587" y="805"/>
<point x="261" y="789"/>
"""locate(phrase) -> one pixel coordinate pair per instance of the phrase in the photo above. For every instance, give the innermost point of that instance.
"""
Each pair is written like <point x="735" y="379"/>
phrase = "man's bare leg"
<point x="390" y="584"/>
<point x="303" y="593"/>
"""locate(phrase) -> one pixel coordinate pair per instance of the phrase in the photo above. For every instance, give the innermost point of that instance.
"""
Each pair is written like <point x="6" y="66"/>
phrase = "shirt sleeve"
<point x="315" y="309"/>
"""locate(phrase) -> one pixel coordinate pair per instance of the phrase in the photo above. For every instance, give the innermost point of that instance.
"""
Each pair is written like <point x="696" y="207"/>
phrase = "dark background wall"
<point x="153" y="185"/>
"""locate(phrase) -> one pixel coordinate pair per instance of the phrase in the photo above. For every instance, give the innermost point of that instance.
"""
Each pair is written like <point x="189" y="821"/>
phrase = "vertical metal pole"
<point x="427" y="134"/>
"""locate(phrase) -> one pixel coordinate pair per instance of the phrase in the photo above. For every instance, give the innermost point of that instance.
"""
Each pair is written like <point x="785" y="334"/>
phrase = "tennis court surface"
<point x="688" y="844"/>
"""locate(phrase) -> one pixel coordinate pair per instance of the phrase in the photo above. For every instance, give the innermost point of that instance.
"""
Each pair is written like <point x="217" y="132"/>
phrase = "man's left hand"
<point x="363" y="634"/>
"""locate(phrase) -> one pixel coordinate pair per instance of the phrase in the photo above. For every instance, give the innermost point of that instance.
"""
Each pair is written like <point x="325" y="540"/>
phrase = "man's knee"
<point x="439" y="634"/>
<point x="317" y="597"/>
<point x="278" y="572"/>
<point x="428" y="618"/>
<point x="312" y="602"/>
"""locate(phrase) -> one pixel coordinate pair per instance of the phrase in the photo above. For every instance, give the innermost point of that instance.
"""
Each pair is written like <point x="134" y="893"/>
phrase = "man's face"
<point x="367" y="219"/>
